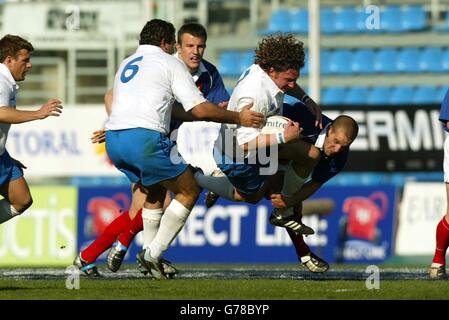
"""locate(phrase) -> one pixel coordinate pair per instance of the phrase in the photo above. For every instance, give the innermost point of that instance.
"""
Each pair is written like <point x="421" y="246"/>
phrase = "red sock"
<point x="442" y="242"/>
<point x="106" y="239"/>
<point x="133" y="228"/>
<point x="298" y="241"/>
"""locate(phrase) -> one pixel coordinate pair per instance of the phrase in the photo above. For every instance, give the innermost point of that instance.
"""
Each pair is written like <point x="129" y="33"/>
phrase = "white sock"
<point x="172" y="221"/>
<point x="292" y="183"/>
<point x="7" y="211"/>
<point x="151" y="221"/>
<point x="218" y="185"/>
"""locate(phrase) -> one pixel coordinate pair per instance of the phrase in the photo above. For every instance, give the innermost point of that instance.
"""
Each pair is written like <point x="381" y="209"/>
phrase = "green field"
<point x="227" y="282"/>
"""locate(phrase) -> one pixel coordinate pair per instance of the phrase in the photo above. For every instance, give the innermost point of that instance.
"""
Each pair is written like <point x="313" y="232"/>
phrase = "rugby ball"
<point x="275" y="124"/>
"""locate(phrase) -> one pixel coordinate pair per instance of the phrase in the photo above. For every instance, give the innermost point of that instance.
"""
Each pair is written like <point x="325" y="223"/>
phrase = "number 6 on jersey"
<point x="130" y="66"/>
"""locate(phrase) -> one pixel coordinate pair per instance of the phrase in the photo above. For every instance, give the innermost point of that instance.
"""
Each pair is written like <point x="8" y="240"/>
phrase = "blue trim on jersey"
<point x="327" y="167"/>
<point x="444" y="111"/>
<point x="211" y="84"/>
<point x="144" y="155"/>
<point x="9" y="170"/>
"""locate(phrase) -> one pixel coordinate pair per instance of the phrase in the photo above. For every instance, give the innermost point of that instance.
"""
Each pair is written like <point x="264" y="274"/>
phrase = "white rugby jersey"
<point x="8" y="94"/>
<point x="253" y="86"/>
<point x="145" y="87"/>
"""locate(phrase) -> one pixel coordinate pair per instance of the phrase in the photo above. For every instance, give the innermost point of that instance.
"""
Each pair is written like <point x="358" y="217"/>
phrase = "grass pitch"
<point x="227" y="282"/>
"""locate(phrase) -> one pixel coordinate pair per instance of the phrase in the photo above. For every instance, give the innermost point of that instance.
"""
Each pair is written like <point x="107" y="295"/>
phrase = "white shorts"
<point x="446" y="159"/>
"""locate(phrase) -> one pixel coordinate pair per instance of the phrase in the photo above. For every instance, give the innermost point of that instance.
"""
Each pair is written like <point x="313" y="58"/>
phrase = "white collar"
<point x="149" y="48"/>
<point x="319" y="143"/>
<point x="201" y="69"/>
<point x="7" y="73"/>
<point x="272" y="87"/>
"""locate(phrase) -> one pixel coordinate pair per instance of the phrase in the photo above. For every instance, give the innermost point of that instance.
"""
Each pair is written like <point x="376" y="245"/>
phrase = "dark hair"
<point x="10" y="45"/>
<point x="348" y="124"/>
<point x="195" y="29"/>
<point x="157" y="30"/>
<point x="281" y="52"/>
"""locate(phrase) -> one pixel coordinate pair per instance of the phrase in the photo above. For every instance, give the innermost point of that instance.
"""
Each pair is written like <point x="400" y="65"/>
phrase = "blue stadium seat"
<point x="385" y="60"/>
<point x="391" y="19"/>
<point x="401" y="95"/>
<point x="327" y="23"/>
<point x="445" y="59"/>
<point x="279" y="22"/>
<point x="408" y="60"/>
<point x="379" y="95"/>
<point x="334" y="95"/>
<point x="341" y="61"/>
<point x="363" y="61"/>
<point x="425" y="94"/>
<point x="345" y="20"/>
<point x="299" y="21"/>
<point x="325" y="57"/>
<point x="356" y="95"/>
<point x="229" y="63"/>
<point x="414" y="18"/>
<point x="441" y="92"/>
<point x="431" y="60"/>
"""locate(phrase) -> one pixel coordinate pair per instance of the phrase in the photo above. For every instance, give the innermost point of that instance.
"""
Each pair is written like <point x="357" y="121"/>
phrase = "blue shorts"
<point x="144" y="155"/>
<point x="9" y="170"/>
<point x="246" y="178"/>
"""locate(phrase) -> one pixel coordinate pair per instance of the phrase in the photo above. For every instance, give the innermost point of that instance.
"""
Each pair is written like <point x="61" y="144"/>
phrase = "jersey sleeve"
<point x="246" y="134"/>
<point x="183" y="87"/>
<point x="5" y="92"/>
<point x="326" y="169"/>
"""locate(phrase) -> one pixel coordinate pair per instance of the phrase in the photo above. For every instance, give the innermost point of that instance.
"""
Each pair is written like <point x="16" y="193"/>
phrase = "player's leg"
<point x="186" y="192"/>
<point x="303" y="158"/>
<point x="127" y="231"/>
<point x="113" y="230"/>
<point x="17" y="198"/>
<point x="438" y="267"/>
<point x="305" y="256"/>
<point x="13" y="188"/>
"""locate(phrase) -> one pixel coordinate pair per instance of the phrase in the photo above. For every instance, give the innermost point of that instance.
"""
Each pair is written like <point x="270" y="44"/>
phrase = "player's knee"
<point x="23" y="205"/>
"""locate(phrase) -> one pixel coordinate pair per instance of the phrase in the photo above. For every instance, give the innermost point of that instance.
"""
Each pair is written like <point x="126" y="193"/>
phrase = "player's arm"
<point x="108" y="101"/>
<point x="11" y="115"/>
<point x="291" y="132"/>
<point x="211" y="112"/>
<point x="307" y="190"/>
<point x="301" y="95"/>
<point x="99" y="136"/>
<point x="186" y="92"/>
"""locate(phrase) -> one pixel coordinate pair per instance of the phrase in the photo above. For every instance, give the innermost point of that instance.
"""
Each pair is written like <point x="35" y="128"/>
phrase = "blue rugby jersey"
<point x="327" y="167"/>
<point x="444" y="111"/>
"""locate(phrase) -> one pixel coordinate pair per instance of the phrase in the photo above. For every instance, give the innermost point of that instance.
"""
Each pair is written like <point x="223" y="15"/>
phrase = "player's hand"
<point x="98" y="136"/>
<point x="281" y="201"/>
<point x="248" y="118"/>
<point x="316" y="110"/>
<point x="292" y="131"/>
<point x="52" y="108"/>
<point x="223" y="105"/>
